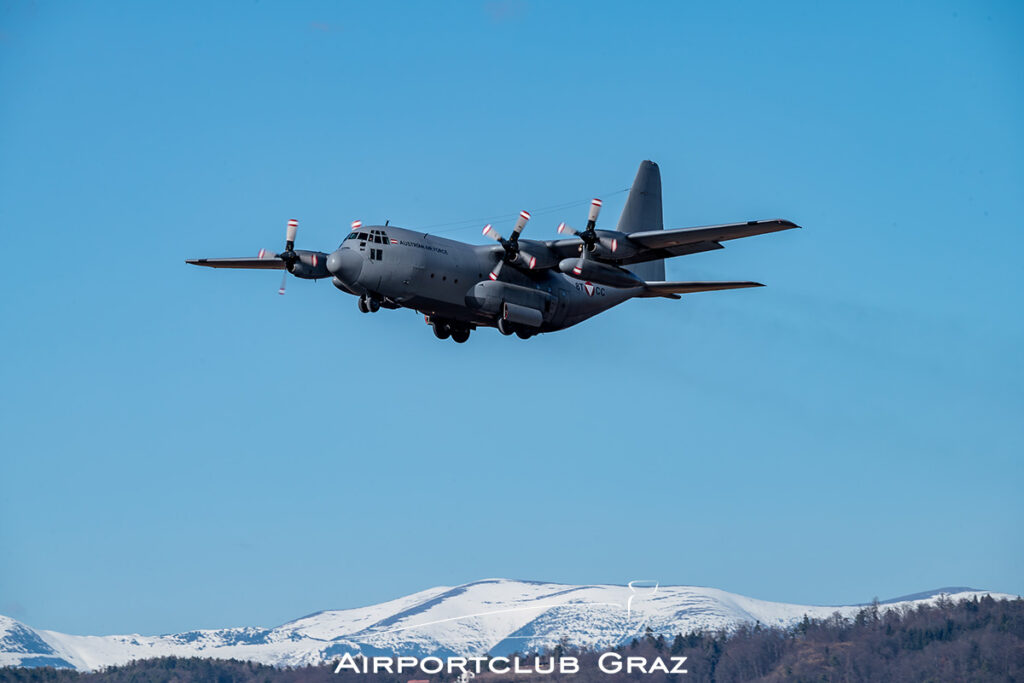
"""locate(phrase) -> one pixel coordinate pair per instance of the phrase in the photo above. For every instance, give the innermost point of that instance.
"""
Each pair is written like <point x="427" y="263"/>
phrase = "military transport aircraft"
<point x="519" y="286"/>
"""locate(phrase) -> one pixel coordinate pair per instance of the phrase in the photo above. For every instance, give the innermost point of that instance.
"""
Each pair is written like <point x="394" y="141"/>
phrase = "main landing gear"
<point x="368" y="304"/>
<point x="507" y="328"/>
<point x="444" y="329"/>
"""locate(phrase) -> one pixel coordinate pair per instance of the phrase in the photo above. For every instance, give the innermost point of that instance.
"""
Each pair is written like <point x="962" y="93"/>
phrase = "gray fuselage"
<point x="447" y="279"/>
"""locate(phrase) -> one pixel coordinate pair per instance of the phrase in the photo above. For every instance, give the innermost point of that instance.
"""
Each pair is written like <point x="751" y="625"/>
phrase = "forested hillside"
<point x="973" y="640"/>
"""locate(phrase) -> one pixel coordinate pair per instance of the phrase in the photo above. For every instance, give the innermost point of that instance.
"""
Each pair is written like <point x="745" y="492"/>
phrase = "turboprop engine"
<point x="308" y="265"/>
<point x="601" y="273"/>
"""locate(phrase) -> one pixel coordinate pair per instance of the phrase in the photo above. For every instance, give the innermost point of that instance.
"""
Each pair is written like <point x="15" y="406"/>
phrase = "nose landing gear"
<point x="368" y="304"/>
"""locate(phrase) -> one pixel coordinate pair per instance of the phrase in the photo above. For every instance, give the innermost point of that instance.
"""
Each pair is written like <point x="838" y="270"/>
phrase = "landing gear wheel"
<point x="504" y="327"/>
<point x="460" y="335"/>
<point x="363" y="307"/>
<point x="523" y="334"/>
<point x="441" y="330"/>
<point x="373" y="305"/>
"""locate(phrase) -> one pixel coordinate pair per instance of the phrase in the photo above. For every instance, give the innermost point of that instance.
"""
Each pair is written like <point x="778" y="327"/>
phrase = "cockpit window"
<point x="362" y="236"/>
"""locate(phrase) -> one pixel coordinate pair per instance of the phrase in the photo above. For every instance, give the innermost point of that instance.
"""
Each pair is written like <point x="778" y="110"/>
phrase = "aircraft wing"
<point x="658" y="244"/>
<point x="673" y="289"/>
<point x="248" y="263"/>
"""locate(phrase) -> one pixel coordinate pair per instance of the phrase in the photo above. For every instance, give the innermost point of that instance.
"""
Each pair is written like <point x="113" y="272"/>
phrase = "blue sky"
<point x="183" y="448"/>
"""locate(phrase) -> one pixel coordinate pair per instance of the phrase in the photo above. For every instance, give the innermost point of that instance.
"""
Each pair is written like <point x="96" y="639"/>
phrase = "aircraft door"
<point x="374" y="249"/>
<point x="561" y="305"/>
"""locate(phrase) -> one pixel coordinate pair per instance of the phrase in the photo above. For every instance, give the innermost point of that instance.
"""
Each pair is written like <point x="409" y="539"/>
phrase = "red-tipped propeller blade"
<point x="492" y="233"/>
<point x="511" y="245"/>
<point x="524" y="216"/>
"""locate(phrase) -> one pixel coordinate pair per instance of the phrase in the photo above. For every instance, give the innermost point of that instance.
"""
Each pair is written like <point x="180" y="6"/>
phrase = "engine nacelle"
<point x="601" y="273"/>
<point x="311" y="265"/>
<point x="613" y="245"/>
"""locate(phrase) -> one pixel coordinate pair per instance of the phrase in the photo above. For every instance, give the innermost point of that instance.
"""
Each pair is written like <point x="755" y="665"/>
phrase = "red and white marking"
<point x="292" y="223"/>
<point x="394" y="241"/>
<point x="596" y="202"/>
<point x="533" y="262"/>
<point x="562" y="228"/>
<point x="589" y="287"/>
<point x="356" y="225"/>
<point x="524" y="215"/>
<point x="314" y="260"/>
<point x="263" y="253"/>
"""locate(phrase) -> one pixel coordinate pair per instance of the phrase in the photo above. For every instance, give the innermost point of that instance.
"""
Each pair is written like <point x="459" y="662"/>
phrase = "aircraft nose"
<point x="345" y="265"/>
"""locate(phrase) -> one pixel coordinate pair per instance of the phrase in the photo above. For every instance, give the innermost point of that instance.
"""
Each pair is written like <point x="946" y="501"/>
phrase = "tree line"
<point x="980" y="639"/>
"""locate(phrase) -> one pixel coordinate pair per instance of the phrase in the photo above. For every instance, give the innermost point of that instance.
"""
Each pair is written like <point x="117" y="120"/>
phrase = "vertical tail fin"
<point x="643" y="212"/>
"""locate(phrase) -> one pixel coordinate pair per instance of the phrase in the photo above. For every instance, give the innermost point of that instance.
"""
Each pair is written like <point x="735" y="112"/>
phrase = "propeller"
<point x="289" y="256"/>
<point x="589" y="236"/>
<point x="511" y="246"/>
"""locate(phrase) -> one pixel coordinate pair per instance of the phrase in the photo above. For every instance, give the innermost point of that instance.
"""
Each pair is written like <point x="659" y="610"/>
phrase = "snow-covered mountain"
<point x="495" y="616"/>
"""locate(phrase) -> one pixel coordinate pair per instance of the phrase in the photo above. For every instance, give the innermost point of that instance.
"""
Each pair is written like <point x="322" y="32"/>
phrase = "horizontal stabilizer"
<point x="248" y="263"/>
<point x="670" y="288"/>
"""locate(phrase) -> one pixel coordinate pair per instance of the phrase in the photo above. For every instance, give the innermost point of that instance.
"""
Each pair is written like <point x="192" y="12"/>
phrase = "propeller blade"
<point x="578" y="268"/>
<point x="564" y="228"/>
<point x="595" y="209"/>
<point x="524" y="216"/>
<point x="527" y="260"/>
<point x="609" y="243"/>
<point x="284" y="281"/>
<point x="293" y="226"/>
<point x="266" y="254"/>
<point x="497" y="270"/>
<point x="492" y="233"/>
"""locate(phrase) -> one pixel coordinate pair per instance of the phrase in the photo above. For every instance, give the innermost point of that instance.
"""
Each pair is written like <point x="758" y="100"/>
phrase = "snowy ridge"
<point x="493" y="616"/>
